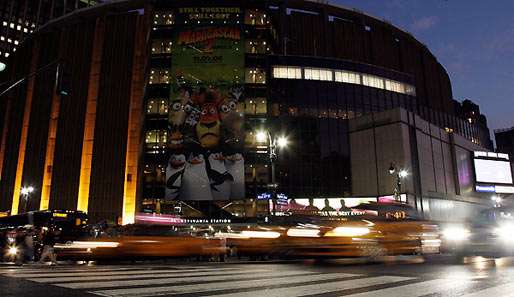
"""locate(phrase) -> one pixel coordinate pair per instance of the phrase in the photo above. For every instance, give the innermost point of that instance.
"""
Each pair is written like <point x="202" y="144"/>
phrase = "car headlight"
<point x="456" y="233"/>
<point x="13" y="250"/>
<point x="300" y="232"/>
<point x="348" y="231"/>
<point x="260" y="234"/>
<point x="504" y="232"/>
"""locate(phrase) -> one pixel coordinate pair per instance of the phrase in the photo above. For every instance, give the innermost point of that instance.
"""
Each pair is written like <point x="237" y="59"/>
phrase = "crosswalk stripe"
<point x="100" y="273"/>
<point x="321" y="288"/>
<point x="414" y="290"/>
<point x="86" y="282"/>
<point x="281" y="278"/>
<point x="505" y="290"/>
<point x="19" y="270"/>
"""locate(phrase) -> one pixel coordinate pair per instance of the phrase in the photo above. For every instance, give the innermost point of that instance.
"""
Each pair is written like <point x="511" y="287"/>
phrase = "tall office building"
<point x="18" y="18"/>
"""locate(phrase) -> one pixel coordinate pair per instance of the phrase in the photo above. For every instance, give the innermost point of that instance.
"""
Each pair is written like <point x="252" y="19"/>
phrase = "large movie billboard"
<point x="206" y="131"/>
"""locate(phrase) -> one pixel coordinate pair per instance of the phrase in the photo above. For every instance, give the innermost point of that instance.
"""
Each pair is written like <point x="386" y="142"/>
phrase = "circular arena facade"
<point x="132" y="105"/>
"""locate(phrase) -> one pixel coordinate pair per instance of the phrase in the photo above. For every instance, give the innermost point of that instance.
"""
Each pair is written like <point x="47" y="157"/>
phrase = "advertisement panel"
<point x="492" y="171"/>
<point x="206" y="132"/>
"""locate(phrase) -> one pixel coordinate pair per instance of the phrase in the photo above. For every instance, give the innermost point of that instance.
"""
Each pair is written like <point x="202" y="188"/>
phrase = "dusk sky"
<point x="472" y="39"/>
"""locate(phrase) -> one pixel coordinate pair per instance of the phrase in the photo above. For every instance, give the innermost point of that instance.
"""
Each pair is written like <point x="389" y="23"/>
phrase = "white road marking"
<point x="505" y="290"/>
<point x="417" y="289"/>
<point x="319" y="288"/>
<point x="174" y="278"/>
<point x="282" y="278"/>
<point x="101" y="273"/>
<point x="156" y="274"/>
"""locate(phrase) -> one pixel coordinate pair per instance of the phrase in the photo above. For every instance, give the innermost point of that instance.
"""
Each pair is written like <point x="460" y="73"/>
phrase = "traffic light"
<point x="64" y="80"/>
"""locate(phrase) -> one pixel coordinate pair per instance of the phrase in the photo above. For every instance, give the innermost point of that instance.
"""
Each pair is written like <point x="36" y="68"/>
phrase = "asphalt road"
<point x="410" y="277"/>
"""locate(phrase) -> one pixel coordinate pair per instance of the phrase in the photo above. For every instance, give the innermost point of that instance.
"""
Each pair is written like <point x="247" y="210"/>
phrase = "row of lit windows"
<point x="161" y="46"/>
<point x="324" y="74"/>
<point x="19" y="27"/>
<point x="251" y="106"/>
<point x="252" y="17"/>
<point x="164" y="46"/>
<point x="252" y="76"/>
<point x="156" y="139"/>
<point x="9" y="40"/>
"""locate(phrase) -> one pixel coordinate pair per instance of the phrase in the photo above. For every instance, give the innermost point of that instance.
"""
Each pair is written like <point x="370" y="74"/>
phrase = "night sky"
<point x="472" y="39"/>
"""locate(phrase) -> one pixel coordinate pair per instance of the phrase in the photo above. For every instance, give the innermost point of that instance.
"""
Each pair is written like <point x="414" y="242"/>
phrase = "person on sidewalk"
<point x="48" y="247"/>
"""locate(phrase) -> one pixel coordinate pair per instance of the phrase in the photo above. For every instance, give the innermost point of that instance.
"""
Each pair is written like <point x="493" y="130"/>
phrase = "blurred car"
<point x="371" y="230"/>
<point x="143" y="242"/>
<point x="488" y="234"/>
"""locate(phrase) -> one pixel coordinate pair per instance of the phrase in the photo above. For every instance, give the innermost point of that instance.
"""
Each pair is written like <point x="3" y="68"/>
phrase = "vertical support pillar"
<point x="24" y="132"/>
<point x="50" y="149"/>
<point x="135" y="124"/>
<point x="90" y="119"/>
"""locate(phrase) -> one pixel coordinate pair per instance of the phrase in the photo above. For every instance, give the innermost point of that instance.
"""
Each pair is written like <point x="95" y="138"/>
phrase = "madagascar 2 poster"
<point x="206" y="160"/>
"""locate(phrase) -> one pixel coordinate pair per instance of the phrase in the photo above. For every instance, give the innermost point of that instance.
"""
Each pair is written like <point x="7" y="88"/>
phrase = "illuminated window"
<point x="372" y="81"/>
<point x="289" y="72"/>
<point x="309" y="73"/>
<point x="157" y="106"/>
<point x="317" y="74"/>
<point x="255" y="76"/>
<point x="347" y="77"/>
<point x="256" y="106"/>
<point x="256" y="17"/>
<point x="256" y="46"/>
<point x="161" y="46"/>
<point x="163" y="18"/>
<point x="159" y="76"/>
<point x="156" y="139"/>
<point x="154" y="173"/>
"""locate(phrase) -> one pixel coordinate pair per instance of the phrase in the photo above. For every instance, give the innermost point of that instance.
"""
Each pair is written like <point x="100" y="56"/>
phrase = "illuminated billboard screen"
<point x="206" y="159"/>
<point x="492" y="171"/>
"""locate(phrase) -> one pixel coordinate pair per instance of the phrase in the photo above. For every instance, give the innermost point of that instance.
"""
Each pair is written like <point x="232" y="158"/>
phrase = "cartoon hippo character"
<point x="219" y="177"/>
<point x="195" y="182"/>
<point x="174" y="174"/>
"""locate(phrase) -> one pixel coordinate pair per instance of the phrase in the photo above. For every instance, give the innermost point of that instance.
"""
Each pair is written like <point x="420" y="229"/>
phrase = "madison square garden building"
<point x="137" y="106"/>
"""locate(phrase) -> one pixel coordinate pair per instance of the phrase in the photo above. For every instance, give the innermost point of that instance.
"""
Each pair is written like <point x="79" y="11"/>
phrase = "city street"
<point x="440" y="276"/>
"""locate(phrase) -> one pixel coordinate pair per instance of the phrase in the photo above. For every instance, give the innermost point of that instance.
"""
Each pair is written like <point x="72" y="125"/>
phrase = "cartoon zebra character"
<point x="174" y="173"/>
<point x="195" y="182"/>
<point x="219" y="177"/>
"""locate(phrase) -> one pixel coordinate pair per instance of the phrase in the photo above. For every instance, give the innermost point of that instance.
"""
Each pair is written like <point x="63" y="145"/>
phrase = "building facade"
<point x="167" y="99"/>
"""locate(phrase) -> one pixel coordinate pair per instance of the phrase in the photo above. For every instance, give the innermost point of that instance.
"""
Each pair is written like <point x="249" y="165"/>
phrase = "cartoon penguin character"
<point x="235" y="167"/>
<point x="195" y="182"/>
<point x="219" y="177"/>
<point x="174" y="173"/>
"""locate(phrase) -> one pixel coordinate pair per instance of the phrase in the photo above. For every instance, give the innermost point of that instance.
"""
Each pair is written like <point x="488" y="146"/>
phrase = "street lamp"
<point x="397" y="184"/>
<point x="25" y="192"/>
<point x="497" y="200"/>
<point x="273" y="143"/>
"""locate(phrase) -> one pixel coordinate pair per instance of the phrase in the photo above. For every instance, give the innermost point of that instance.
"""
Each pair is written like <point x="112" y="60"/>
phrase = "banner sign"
<point x="207" y="137"/>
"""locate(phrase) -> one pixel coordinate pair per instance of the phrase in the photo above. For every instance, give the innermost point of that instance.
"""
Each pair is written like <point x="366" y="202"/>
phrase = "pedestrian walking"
<point x="29" y="246"/>
<point x="48" y="248"/>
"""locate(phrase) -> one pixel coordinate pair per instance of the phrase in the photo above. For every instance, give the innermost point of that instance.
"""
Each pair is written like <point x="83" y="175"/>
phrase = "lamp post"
<point x="273" y="143"/>
<point x="397" y="183"/>
<point x="25" y="192"/>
